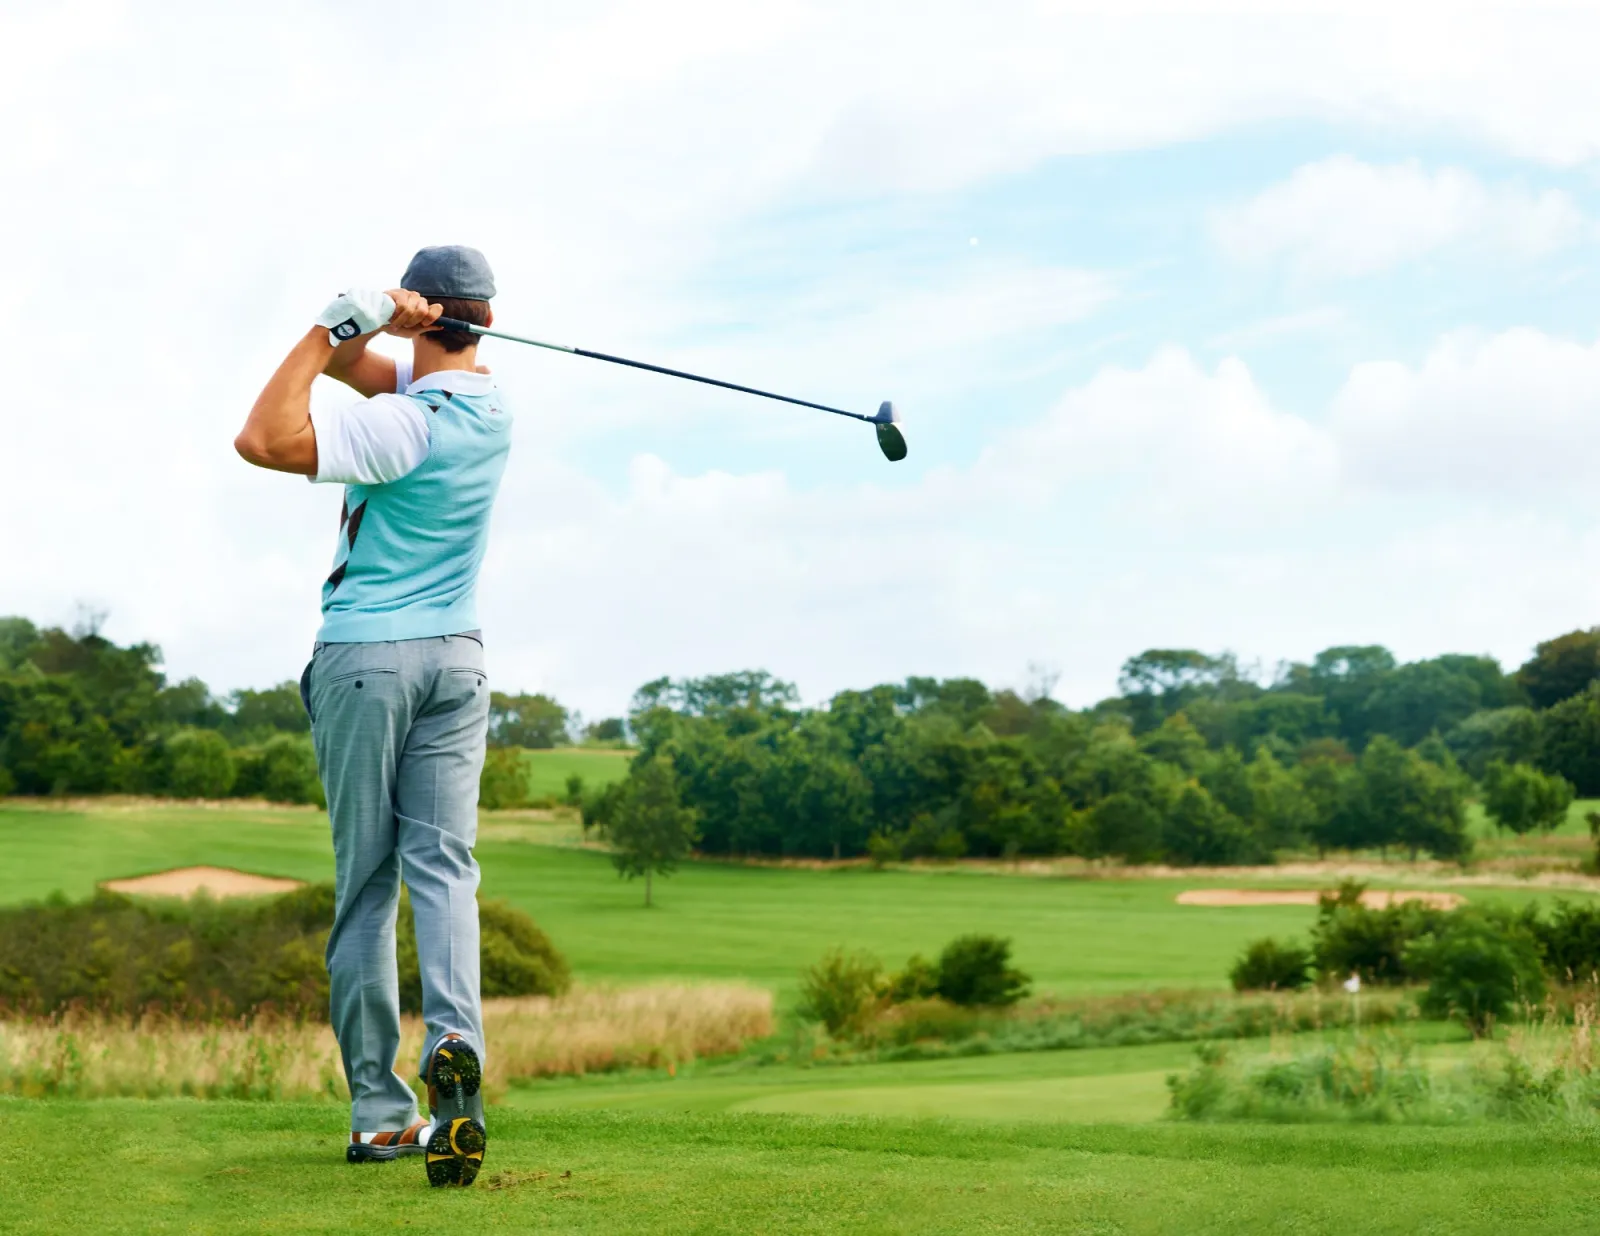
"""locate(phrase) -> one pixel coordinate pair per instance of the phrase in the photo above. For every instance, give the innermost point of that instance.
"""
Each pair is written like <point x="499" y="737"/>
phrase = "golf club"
<point x="891" y="438"/>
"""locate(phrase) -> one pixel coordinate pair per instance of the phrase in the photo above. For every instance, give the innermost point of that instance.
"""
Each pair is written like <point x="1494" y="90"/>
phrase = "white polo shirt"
<point x="386" y="437"/>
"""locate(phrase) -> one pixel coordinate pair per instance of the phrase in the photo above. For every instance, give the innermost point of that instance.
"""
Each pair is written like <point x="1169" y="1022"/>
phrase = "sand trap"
<point x="187" y="881"/>
<point x="1373" y="898"/>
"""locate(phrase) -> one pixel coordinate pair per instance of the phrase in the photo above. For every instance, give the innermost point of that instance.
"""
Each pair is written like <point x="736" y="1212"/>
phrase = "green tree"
<point x="1412" y="701"/>
<point x="198" y="764"/>
<point x="1175" y="741"/>
<point x="1345" y="677"/>
<point x="1569" y="740"/>
<point x="1509" y="734"/>
<point x="650" y="829"/>
<point x="1410" y="802"/>
<point x="536" y="722"/>
<point x="503" y="783"/>
<point x="1521" y="798"/>
<point x="1200" y="831"/>
<point x="1561" y="668"/>
<point x="281" y="770"/>
<point x="1478" y="968"/>
<point x="609" y="731"/>
<point x="257" y="715"/>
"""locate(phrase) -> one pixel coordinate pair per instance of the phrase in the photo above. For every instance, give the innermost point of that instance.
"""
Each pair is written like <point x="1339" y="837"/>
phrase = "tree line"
<point x="1194" y="761"/>
<point x="80" y="714"/>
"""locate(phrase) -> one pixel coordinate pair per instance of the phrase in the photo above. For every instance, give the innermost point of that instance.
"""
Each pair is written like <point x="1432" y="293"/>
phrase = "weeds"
<point x="81" y="1055"/>
<point x="1545" y="1071"/>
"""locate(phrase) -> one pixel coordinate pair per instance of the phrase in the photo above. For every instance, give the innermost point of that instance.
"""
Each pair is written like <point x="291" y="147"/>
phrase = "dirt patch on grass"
<point x="1373" y="898"/>
<point x="187" y="881"/>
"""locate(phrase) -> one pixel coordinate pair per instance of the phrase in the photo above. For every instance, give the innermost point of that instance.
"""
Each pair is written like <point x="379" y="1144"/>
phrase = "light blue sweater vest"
<point x="407" y="562"/>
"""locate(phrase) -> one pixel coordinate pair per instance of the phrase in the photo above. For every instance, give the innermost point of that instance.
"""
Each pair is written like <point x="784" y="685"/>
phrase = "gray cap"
<point x="450" y="270"/>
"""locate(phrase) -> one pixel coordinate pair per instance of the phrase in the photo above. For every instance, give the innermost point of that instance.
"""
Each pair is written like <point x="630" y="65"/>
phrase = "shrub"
<point x="1521" y="798"/>
<point x="199" y="764"/>
<point x="281" y="770"/>
<point x="503" y="785"/>
<point x="1569" y="941"/>
<point x="975" y="970"/>
<point x="1268" y="965"/>
<point x="1477" y="967"/>
<point x="1349" y="938"/>
<point x="919" y="980"/>
<point x="207" y="959"/>
<point x="841" y="989"/>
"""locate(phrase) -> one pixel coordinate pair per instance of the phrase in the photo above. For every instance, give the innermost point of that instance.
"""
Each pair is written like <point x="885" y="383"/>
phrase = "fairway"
<point x="187" y="1166"/>
<point x="548" y="770"/>
<point x="713" y="920"/>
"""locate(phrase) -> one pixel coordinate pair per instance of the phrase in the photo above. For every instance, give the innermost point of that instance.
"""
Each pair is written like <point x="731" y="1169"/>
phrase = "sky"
<point x="1256" y="328"/>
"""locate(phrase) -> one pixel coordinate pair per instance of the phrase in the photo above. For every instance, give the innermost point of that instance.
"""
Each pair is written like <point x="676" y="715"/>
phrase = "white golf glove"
<point x="357" y="312"/>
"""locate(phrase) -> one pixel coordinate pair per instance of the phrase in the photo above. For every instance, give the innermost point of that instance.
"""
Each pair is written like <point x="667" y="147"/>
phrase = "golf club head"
<point x="891" y="438"/>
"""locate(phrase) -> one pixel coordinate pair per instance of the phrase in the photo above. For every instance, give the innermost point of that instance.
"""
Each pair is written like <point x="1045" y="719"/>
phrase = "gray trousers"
<point x="400" y="729"/>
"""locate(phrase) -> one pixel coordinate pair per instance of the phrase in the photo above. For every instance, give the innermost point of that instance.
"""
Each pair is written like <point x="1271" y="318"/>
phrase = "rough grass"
<point x="175" y="1166"/>
<point x="585" y="1031"/>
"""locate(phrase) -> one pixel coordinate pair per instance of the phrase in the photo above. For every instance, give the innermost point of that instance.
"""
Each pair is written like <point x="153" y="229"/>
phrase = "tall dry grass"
<point x="585" y="1031"/>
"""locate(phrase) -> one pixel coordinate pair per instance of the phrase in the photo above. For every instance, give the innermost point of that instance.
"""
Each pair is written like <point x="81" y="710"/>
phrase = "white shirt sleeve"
<point x="370" y="443"/>
<point x="402" y="374"/>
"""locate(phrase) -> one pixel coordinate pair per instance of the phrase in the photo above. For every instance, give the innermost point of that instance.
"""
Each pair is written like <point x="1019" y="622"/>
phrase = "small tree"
<point x="199" y="764"/>
<point x="1268" y="965"/>
<point x="503" y="784"/>
<point x="976" y="970"/>
<point x="1521" y="798"/>
<point x="1477" y="968"/>
<point x="841" y="989"/>
<point x="649" y="828"/>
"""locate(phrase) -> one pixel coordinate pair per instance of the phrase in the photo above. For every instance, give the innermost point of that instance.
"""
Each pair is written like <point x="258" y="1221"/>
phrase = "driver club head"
<point x="891" y="438"/>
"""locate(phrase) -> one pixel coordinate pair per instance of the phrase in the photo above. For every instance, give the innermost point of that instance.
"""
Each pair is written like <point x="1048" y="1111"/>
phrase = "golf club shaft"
<point x="457" y="324"/>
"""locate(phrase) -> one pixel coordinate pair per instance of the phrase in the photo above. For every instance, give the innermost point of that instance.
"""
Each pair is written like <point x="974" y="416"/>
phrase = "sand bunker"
<point x="217" y="881"/>
<point x="1373" y="898"/>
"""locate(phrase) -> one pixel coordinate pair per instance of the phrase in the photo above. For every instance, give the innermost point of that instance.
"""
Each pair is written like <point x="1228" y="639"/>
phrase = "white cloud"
<point x="1340" y="217"/>
<point x="1515" y="415"/>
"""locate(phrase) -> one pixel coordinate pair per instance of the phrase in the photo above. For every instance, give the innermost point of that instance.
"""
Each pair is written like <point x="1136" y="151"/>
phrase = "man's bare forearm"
<point x="368" y="373"/>
<point x="278" y="434"/>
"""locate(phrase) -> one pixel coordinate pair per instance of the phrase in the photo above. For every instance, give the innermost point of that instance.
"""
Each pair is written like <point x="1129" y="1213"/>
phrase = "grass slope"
<point x="186" y="1166"/>
<point x="714" y="920"/>
<point x="548" y="770"/>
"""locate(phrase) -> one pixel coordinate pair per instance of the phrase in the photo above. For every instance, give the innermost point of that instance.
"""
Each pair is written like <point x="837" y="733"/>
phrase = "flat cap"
<point x="450" y="270"/>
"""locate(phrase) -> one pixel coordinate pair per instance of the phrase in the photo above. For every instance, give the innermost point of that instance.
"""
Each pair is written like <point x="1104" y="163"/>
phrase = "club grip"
<point x="453" y="324"/>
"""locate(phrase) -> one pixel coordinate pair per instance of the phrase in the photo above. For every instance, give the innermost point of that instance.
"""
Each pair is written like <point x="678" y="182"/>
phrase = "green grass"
<point x="548" y="770"/>
<point x="713" y="920"/>
<point x="187" y="1166"/>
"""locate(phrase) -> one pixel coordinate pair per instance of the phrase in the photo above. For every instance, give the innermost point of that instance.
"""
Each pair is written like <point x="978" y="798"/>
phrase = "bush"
<point x="224" y="959"/>
<point x="199" y="764"/>
<point x="1270" y="966"/>
<point x="1570" y="941"/>
<point x="281" y="770"/>
<point x="919" y="980"/>
<point x="975" y="970"/>
<point x="503" y="785"/>
<point x="841" y="989"/>
<point x="1477" y="967"/>
<point x="1521" y="798"/>
<point x="1351" y="939"/>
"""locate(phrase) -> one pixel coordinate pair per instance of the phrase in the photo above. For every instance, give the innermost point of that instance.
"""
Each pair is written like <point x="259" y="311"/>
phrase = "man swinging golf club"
<point x="396" y="689"/>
